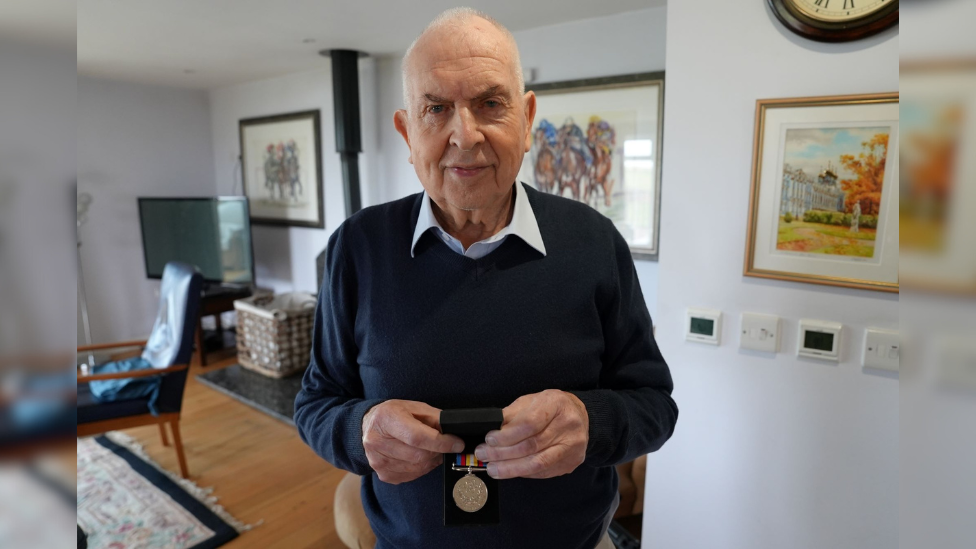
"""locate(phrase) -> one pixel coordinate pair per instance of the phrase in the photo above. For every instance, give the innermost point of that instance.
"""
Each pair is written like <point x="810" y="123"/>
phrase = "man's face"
<point x="467" y="127"/>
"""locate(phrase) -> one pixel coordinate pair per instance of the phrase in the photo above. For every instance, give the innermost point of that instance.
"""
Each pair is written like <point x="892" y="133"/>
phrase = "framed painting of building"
<point x="598" y="141"/>
<point x="281" y="166"/>
<point x="824" y="196"/>
<point x="938" y="125"/>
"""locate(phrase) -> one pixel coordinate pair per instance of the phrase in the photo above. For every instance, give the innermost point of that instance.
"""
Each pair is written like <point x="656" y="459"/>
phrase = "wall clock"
<point x="836" y="20"/>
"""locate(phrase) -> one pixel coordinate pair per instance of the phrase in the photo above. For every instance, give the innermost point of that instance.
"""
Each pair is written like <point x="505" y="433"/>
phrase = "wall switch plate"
<point x="819" y="339"/>
<point x="882" y="349"/>
<point x="703" y="326"/>
<point x="759" y="332"/>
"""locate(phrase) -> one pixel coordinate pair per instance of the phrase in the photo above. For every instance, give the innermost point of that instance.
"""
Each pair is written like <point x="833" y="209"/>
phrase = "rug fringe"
<point x="203" y="495"/>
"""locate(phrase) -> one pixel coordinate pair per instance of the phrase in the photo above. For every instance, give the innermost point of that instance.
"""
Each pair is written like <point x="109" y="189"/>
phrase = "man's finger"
<point x="419" y="435"/>
<point x="390" y="465"/>
<point x="532" y="445"/>
<point x="427" y="414"/>
<point x="529" y="466"/>
<point x="525" y="425"/>
<point x="397" y="450"/>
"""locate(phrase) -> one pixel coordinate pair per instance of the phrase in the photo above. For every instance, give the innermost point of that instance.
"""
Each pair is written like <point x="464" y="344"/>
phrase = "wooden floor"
<point x="258" y="467"/>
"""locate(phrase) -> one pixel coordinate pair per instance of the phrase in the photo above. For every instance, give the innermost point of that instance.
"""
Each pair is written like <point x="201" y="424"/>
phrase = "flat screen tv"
<point x="212" y="233"/>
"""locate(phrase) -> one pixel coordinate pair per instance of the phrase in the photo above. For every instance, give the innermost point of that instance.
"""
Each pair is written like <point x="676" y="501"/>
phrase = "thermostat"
<point x="703" y="326"/>
<point x="819" y="339"/>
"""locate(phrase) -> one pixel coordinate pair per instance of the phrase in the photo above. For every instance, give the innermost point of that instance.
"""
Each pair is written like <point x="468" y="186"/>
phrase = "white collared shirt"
<point x="524" y="225"/>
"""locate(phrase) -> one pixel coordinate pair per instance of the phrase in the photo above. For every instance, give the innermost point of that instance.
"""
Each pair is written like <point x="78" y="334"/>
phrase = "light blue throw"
<point x="110" y="390"/>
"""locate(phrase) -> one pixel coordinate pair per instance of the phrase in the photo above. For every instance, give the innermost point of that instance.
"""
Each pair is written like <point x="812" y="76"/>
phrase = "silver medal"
<point x="470" y="493"/>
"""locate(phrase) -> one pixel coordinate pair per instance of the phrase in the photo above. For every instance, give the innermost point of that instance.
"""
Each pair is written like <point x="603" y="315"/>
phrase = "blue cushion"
<point x="112" y="390"/>
<point x="90" y="409"/>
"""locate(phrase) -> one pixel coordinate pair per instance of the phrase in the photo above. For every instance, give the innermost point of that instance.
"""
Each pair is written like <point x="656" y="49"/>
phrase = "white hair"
<point x="456" y="17"/>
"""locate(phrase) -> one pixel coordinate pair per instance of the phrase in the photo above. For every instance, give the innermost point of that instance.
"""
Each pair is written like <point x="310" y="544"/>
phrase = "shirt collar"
<point x="523" y="225"/>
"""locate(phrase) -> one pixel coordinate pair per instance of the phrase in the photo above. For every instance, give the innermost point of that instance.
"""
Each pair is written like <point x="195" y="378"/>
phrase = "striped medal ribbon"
<point x="463" y="461"/>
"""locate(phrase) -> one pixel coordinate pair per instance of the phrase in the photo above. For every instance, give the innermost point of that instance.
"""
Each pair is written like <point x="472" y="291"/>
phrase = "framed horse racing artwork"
<point x="281" y="166"/>
<point x="598" y="141"/>
<point x="824" y="198"/>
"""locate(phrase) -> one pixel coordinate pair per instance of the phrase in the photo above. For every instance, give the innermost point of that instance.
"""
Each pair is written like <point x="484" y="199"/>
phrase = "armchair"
<point x="166" y="354"/>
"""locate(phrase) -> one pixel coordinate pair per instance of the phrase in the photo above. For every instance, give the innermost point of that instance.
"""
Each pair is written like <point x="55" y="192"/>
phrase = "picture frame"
<point x="938" y="128"/>
<point x="281" y="169"/>
<point x="823" y="205"/>
<point x="599" y="141"/>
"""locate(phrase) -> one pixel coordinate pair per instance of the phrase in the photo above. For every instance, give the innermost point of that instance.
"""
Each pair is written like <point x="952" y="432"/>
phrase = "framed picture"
<point x="598" y="141"/>
<point x="824" y="198"/>
<point x="281" y="165"/>
<point x="938" y="125"/>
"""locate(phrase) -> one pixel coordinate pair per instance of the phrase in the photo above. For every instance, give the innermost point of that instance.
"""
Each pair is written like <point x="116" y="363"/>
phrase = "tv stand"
<point x="216" y="299"/>
<point x="212" y="289"/>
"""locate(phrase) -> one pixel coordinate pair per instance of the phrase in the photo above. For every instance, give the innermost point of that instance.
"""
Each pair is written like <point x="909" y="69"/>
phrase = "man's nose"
<point x="466" y="134"/>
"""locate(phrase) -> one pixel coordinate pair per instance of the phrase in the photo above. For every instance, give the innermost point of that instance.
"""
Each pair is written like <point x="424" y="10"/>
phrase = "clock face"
<point x="839" y="11"/>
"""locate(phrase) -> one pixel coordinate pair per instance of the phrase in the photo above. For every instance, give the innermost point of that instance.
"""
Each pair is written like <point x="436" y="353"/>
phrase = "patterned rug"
<point x="126" y="501"/>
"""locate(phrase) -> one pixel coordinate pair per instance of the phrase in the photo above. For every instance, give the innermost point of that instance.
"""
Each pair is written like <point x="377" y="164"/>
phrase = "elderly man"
<point x="481" y="292"/>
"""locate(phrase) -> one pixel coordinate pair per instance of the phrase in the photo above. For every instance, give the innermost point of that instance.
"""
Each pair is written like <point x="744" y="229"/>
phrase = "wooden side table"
<point x="214" y="303"/>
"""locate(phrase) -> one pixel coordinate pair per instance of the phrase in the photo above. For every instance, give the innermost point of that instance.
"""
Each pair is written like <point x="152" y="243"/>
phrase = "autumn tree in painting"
<point x="869" y="169"/>
<point x="934" y="157"/>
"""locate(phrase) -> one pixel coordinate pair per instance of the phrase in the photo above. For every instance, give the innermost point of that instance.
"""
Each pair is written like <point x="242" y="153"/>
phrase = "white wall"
<point x="37" y="169"/>
<point x="133" y="140"/>
<point x="398" y="176"/>
<point x="285" y="256"/>
<point x="938" y="450"/>
<point x="624" y="43"/>
<point x="769" y="451"/>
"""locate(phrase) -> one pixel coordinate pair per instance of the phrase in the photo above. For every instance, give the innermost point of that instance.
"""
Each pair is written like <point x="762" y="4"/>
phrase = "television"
<point x="214" y="234"/>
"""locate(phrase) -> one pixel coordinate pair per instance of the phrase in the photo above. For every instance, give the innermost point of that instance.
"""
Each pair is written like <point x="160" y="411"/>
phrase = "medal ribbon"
<point x="468" y="460"/>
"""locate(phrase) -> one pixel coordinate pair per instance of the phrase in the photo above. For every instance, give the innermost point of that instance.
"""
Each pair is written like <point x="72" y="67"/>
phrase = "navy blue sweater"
<point x="456" y="332"/>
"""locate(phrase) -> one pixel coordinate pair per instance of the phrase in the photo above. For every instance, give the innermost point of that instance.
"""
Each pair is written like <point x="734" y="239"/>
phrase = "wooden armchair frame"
<point x="173" y="419"/>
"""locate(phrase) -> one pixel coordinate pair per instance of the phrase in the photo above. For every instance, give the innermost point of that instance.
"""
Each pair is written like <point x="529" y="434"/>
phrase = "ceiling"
<point x="207" y="44"/>
<point x="46" y="22"/>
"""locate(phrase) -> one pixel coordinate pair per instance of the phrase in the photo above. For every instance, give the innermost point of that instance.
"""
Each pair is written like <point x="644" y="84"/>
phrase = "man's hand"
<point x="544" y="435"/>
<point x="403" y="442"/>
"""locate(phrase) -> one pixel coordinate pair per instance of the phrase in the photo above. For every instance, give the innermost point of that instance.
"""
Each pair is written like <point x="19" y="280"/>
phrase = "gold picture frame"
<point x="823" y="206"/>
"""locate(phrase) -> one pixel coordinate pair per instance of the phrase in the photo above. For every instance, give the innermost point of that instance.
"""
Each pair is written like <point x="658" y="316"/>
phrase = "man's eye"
<point x="436" y="109"/>
<point x="491" y="103"/>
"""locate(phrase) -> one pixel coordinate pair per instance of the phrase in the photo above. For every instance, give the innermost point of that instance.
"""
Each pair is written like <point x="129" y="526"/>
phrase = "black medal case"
<point x="470" y="425"/>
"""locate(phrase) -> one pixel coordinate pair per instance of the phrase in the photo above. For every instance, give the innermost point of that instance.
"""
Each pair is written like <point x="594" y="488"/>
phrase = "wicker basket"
<point x="274" y="332"/>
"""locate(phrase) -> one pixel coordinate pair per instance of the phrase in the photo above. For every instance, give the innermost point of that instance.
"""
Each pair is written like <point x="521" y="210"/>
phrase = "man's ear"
<point x="529" y="118"/>
<point x="400" y="123"/>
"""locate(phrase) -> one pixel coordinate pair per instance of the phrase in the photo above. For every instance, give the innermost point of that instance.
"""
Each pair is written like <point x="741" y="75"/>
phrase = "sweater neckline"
<point x="442" y="251"/>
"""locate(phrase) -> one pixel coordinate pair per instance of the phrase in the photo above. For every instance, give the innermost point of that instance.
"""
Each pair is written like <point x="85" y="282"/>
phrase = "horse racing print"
<point x="281" y="167"/>
<point x="598" y="141"/>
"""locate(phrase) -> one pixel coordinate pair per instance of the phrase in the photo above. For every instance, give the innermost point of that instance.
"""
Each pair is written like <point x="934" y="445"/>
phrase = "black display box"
<point x="470" y="425"/>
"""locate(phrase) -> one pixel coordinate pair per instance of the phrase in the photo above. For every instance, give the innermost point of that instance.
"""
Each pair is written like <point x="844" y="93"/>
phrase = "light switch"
<point x="759" y="332"/>
<point x="882" y="349"/>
